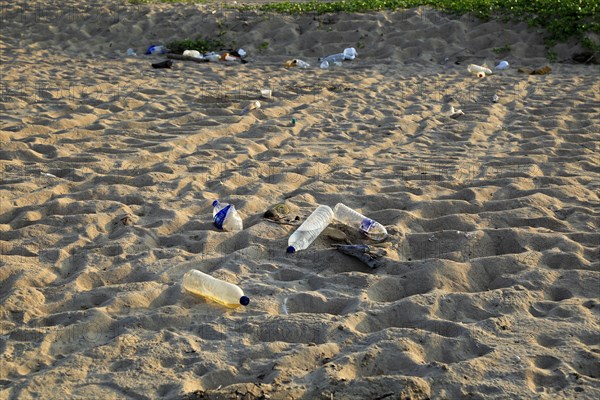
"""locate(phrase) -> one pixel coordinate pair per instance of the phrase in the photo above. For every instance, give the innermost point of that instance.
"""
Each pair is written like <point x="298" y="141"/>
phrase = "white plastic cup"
<point x="266" y="93"/>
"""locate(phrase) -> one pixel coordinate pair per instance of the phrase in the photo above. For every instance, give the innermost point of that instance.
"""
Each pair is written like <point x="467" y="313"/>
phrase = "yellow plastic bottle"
<point x="222" y="292"/>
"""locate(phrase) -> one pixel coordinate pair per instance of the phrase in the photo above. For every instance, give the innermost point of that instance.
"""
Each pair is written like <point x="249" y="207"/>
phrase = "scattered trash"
<point x="372" y="229"/>
<point x="252" y="106"/>
<point x="156" y="49"/>
<point x="296" y="63"/>
<point x="502" y="65"/>
<point x="495" y="98"/>
<point x="479" y="71"/>
<point x="310" y="229"/>
<point x="367" y="254"/>
<point x="432" y="238"/>
<point x="163" y="64"/>
<point x="293" y="121"/>
<point x="266" y="93"/>
<point x="48" y="175"/>
<point x="226" y="217"/>
<point x="336" y="59"/>
<point x="538" y="71"/>
<point x="469" y="235"/>
<point x="455" y="113"/>
<point x="193" y="54"/>
<point x="131" y="52"/>
<point x="222" y="292"/>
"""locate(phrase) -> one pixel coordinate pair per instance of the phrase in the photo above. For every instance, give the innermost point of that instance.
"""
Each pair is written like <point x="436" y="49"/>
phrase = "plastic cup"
<point x="266" y="93"/>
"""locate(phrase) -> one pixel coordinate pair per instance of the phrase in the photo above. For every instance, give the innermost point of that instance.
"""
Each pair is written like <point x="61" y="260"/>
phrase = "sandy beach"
<point x="108" y="167"/>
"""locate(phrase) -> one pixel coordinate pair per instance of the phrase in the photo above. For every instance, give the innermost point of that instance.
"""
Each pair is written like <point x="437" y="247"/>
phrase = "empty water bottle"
<point x="204" y="285"/>
<point x="373" y="229"/>
<point x="348" y="54"/>
<point x="226" y="217"/>
<point x="310" y="229"/>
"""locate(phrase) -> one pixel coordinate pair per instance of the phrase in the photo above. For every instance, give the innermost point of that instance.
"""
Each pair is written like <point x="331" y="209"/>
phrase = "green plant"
<point x="502" y="50"/>
<point x="562" y="19"/>
<point x="263" y="46"/>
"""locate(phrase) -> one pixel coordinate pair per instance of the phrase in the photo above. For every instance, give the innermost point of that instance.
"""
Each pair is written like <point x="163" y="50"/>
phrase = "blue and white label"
<point x="366" y="225"/>
<point x="219" y="217"/>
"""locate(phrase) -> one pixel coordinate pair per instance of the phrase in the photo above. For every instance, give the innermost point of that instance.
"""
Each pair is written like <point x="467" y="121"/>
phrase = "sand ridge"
<point x="108" y="168"/>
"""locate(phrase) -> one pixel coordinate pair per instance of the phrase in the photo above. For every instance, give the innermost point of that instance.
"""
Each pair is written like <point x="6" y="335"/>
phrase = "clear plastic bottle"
<point x="310" y="229"/>
<point x="222" y="292"/>
<point x="226" y="217"/>
<point x="373" y="229"/>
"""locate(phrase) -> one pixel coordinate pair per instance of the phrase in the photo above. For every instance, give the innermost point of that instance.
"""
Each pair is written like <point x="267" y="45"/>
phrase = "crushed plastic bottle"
<point x="310" y="229"/>
<point x="372" y="229"/>
<point x="131" y="52"/>
<point x="296" y="63"/>
<point x="252" y="106"/>
<point x="201" y="284"/>
<point x="226" y="217"/>
<point x="156" y="49"/>
<point x="348" y="54"/>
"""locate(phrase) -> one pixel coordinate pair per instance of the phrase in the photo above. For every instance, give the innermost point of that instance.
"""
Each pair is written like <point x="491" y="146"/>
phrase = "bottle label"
<point x="366" y="225"/>
<point x="220" y="216"/>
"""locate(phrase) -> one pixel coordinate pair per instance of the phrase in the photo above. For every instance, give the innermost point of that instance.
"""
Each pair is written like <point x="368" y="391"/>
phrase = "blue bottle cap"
<point x="244" y="300"/>
<point x="291" y="249"/>
<point x="214" y="203"/>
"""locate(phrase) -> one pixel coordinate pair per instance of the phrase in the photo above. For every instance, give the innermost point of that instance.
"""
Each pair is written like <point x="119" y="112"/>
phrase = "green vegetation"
<point x="200" y="44"/>
<point x="563" y="19"/>
<point x="502" y="50"/>
<point x="263" y="46"/>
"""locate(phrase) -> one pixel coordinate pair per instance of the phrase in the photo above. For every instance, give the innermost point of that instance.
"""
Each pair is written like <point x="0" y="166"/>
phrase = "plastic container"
<point x="347" y="216"/>
<point x="201" y="284"/>
<point x="226" y="217"/>
<point x="131" y="52"/>
<point x="310" y="229"/>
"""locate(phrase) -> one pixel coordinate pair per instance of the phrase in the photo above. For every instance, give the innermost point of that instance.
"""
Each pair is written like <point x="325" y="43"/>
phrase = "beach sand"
<point x="490" y="287"/>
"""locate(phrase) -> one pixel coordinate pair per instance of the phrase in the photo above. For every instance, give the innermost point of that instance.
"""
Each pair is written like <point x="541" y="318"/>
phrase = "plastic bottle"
<point x="131" y="52"/>
<point x="477" y="70"/>
<point x="226" y="217"/>
<point x="302" y="64"/>
<point x="373" y="229"/>
<point x="310" y="229"/>
<point x="324" y="64"/>
<point x="212" y="56"/>
<point x="222" y="292"/>
<point x="348" y="54"/>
